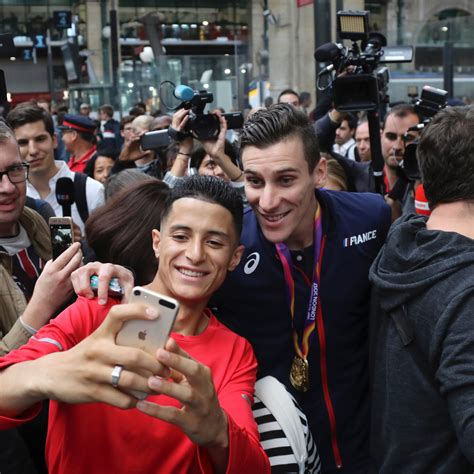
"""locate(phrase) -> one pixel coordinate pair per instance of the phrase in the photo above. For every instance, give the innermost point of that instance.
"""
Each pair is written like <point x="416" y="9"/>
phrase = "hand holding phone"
<point x="62" y="234"/>
<point x="148" y="335"/>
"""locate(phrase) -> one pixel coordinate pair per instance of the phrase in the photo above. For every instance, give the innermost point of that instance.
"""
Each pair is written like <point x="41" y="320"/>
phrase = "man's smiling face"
<point x="280" y="189"/>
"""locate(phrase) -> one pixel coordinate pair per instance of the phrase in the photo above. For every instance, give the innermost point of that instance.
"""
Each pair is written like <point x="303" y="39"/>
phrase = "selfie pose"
<point x="197" y="417"/>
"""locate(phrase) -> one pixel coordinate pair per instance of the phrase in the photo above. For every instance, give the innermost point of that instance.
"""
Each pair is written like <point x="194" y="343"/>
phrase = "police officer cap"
<point x="80" y="123"/>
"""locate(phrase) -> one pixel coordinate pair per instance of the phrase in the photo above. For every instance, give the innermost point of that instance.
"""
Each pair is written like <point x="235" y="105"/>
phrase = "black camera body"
<point x="431" y="101"/>
<point x="200" y="125"/>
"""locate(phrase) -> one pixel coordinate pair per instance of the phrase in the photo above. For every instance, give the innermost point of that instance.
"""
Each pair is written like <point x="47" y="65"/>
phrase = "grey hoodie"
<point x="423" y="390"/>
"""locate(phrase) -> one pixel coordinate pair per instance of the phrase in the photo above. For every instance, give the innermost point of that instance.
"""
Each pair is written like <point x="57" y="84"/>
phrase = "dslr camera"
<point x="200" y="125"/>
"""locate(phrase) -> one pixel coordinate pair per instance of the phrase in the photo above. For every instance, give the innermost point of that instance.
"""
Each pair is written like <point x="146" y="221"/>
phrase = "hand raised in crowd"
<point x="53" y="288"/>
<point x="132" y="151"/>
<point x="216" y="150"/>
<point x="201" y="417"/>
<point x="81" y="280"/>
<point x="180" y="165"/>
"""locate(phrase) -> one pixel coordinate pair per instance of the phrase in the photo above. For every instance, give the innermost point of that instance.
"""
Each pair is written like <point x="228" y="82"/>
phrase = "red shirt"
<point x="78" y="165"/>
<point x="97" y="438"/>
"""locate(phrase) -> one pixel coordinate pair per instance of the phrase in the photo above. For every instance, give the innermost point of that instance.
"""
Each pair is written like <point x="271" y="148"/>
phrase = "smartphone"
<point x="148" y="335"/>
<point x="115" y="290"/>
<point x="62" y="234"/>
<point x="155" y="139"/>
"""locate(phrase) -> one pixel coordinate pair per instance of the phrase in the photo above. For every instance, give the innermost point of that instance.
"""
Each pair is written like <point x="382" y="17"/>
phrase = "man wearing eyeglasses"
<point x="25" y="247"/>
<point x="395" y="137"/>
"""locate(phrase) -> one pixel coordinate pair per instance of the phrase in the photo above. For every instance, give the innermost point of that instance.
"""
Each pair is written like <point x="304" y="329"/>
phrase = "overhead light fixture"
<point x="227" y="71"/>
<point x="206" y="86"/>
<point x="205" y="23"/>
<point x="12" y="58"/>
<point x="444" y="28"/>
<point x="130" y="85"/>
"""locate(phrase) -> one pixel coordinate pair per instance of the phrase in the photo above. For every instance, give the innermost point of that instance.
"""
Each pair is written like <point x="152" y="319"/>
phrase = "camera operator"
<point x="133" y="156"/>
<point x="394" y="138"/>
<point x="220" y="163"/>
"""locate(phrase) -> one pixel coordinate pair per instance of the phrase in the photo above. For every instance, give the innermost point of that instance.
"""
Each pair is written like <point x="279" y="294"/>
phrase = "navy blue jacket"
<point x="253" y="303"/>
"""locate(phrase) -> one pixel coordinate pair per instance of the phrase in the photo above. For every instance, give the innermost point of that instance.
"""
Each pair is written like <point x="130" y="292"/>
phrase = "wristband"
<point x="176" y="135"/>
<point x="238" y="177"/>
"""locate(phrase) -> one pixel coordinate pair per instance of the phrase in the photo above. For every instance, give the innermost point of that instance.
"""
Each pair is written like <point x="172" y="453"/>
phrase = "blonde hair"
<point x="143" y="121"/>
<point x="336" y="177"/>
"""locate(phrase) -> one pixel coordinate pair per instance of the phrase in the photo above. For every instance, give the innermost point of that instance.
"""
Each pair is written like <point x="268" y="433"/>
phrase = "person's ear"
<point x="236" y="256"/>
<point x="156" y="238"/>
<point x="320" y="173"/>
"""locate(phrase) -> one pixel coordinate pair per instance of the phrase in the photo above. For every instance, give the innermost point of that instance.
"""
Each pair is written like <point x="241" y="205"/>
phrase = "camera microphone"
<point x="183" y="92"/>
<point x="65" y="195"/>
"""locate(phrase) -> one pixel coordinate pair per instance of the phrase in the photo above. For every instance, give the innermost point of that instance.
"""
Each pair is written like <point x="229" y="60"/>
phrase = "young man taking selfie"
<point x="198" y="416"/>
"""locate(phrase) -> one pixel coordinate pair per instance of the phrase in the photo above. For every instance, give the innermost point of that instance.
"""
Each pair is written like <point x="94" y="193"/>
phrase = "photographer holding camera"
<point x="216" y="161"/>
<point x="422" y="335"/>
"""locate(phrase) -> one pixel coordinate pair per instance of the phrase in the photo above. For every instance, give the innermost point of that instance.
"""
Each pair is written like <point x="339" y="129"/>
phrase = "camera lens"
<point x="137" y="292"/>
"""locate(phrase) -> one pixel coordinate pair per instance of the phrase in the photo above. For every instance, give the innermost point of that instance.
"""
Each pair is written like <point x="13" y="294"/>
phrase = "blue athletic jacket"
<point x="253" y="303"/>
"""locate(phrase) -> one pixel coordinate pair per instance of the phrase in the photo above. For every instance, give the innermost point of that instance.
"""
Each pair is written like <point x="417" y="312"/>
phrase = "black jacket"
<point x="422" y="352"/>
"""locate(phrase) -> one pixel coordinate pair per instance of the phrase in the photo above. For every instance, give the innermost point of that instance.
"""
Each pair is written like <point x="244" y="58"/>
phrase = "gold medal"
<point x="299" y="374"/>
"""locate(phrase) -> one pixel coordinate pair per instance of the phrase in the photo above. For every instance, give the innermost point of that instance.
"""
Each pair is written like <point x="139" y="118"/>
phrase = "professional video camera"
<point x="200" y="125"/>
<point x="431" y="101"/>
<point x="360" y="83"/>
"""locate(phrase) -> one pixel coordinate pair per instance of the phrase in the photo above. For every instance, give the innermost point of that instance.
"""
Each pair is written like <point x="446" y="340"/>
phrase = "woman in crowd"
<point x="120" y="231"/>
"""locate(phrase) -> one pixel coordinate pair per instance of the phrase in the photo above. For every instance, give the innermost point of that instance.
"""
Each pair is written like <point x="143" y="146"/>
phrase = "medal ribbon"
<point x="286" y="260"/>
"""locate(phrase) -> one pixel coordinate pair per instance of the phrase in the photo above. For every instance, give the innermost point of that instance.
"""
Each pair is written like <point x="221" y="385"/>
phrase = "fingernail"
<point x="152" y="313"/>
<point x="155" y="383"/>
<point x="102" y="301"/>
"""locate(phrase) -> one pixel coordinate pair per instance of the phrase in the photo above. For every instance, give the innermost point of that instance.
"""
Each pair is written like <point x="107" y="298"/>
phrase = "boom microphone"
<point x="65" y="195"/>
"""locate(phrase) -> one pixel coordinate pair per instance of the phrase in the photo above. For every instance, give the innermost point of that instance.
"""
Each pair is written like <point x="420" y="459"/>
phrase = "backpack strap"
<point x="80" y="180"/>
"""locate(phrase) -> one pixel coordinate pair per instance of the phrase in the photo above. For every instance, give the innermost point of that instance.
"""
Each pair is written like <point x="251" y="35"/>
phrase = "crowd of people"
<point x="322" y="327"/>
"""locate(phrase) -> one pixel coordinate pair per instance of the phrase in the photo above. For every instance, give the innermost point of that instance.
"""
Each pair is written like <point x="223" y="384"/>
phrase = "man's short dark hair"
<point x="351" y="120"/>
<point x="288" y="91"/>
<point x="400" y="111"/>
<point x="267" y="127"/>
<point x="107" y="109"/>
<point x="208" y="189"/>
<point x="446" y="156"/>
<point x="125" y="120"/>
<point x="30" y="112"/>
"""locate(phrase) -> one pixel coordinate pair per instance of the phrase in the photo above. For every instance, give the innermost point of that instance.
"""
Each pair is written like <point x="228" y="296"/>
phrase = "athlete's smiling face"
<point x="280" y="189"/>
<point x="196" y="246"/>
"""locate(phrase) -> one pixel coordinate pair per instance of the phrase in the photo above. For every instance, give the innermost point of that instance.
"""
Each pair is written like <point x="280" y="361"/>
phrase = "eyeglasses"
<point x="16" y="173"/>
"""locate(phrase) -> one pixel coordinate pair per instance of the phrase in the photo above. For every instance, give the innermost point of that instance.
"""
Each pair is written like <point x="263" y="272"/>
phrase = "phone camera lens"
<point x="137" y="292"/>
